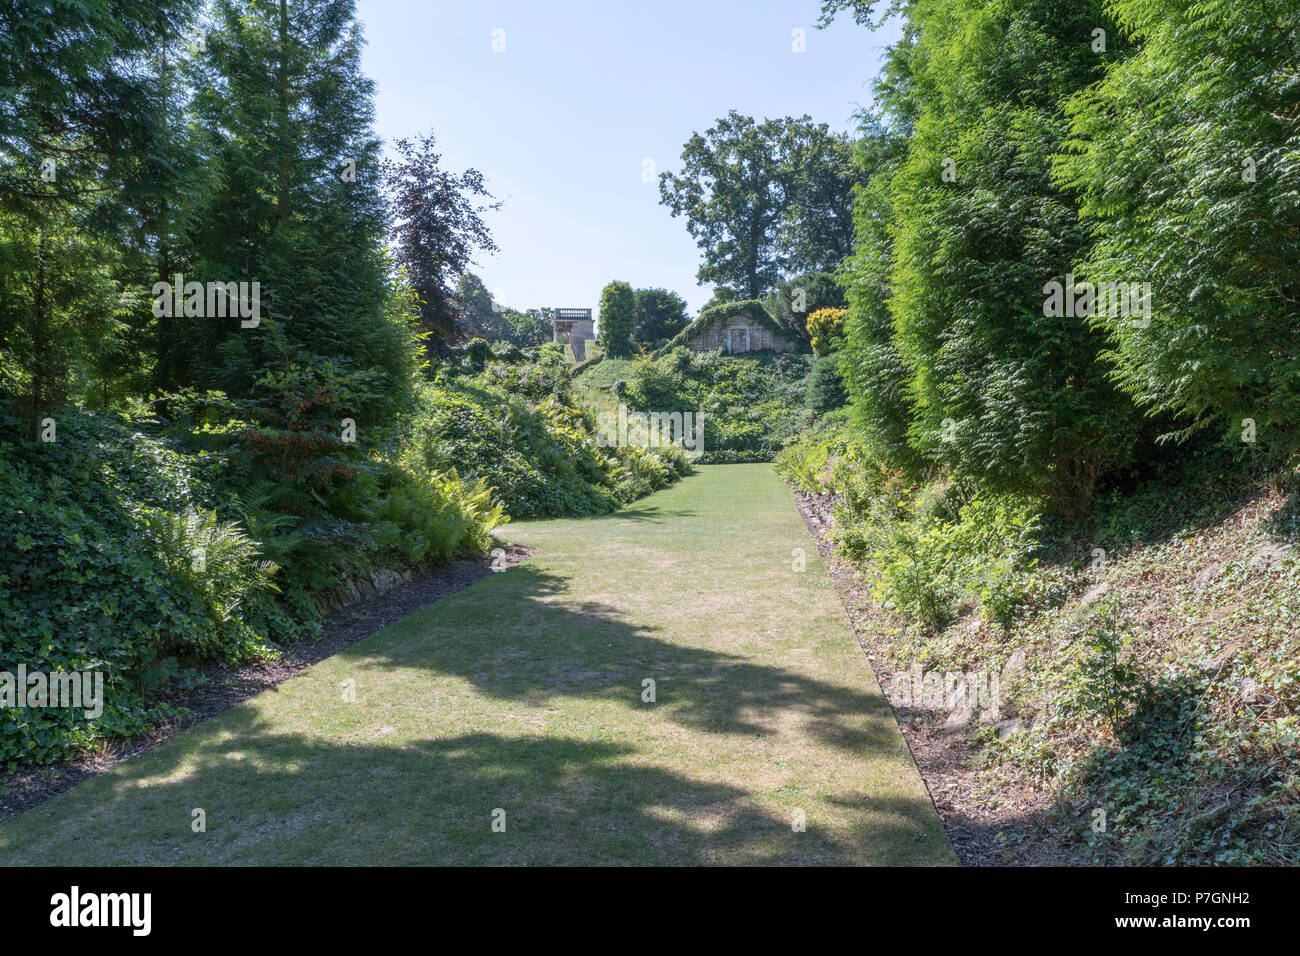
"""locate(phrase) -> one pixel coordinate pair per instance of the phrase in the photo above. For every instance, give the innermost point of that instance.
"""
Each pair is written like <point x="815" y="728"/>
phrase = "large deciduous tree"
<point x="816" y="233"/>
<point x="437" y="228"/>
<point x="764" y="199"/>
<point x="478" y="315"/>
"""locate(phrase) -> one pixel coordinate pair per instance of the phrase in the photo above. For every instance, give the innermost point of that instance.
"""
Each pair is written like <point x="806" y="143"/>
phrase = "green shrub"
<point x="825" y="385"/>
<point x="945" y="556"/>
<point x="1184" y="209"/>
<point x="1105" y="685"/>
<point x="617" y="319"/>
<point x="476" y="354"/>
<point x="115" y="562"/>
<point x="825" y="329"/>
<point x="802" y="463"/>
<point x="433" y="517"/>
<point x="548" y="373"/>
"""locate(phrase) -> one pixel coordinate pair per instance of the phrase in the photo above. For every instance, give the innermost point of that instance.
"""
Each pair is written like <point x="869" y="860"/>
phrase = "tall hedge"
<point x="1002" y="393"/>
<point x="617" y="319"/>
<point x="1186" y="159"/>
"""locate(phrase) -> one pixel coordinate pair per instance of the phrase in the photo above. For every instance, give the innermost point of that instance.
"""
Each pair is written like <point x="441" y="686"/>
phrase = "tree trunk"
<point x="282" y="109"/>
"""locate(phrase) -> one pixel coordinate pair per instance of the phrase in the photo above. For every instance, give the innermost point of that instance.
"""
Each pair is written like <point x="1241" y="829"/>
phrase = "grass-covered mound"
<point x="752" y="406"/>
<point x="752" y="308"/>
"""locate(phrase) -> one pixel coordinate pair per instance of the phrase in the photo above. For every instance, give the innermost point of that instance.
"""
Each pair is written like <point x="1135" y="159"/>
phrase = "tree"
<point x="816" y="233"/>
<point x="478" y="316"/>
<point x="722" y="294"/>
<point x="288" y="116"/>
<point x="617" y="319"/>
<point x="793" y="300"/>
<point x="825" y="385"/>
<point x="1205" y="207"/>
<point x="61" y="311"/>
<point x="527" y="328"/>
<point x="86" y="145"/>
<point x="1003" y="392"/>
<point x="437" y="226"/>
<point x="862" y="11"/>
<point x="81" y="84"/>
<point x="660" y="315"/>
<point x="873" y="371"/>
<point x="287" y="112"/>
<point x="763" y="199"/>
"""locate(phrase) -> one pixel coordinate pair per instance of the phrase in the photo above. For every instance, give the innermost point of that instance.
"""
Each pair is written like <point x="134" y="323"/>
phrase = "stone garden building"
<point x="573" y="327"/>
<point x="735" y="327"/>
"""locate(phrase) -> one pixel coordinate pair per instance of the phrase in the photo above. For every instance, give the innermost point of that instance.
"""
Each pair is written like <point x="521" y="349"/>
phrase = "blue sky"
<point x="562" y="122"/>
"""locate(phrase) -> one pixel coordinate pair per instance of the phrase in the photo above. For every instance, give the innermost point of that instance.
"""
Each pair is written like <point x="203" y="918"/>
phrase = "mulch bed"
<point x="226" y="686"/>
<point x="1012" y="833"/>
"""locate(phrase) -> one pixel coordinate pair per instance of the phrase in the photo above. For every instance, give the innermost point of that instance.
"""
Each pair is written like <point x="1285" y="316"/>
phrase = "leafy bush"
<point x="803" y="463"/>
<point x="513" y="428"/>
<point x="825" y="327"/>
<point x="122" y="559"/>
<point x="546" y="374"/>
<point x="433" y="517"/>
<point x="1104" y="686"/>
<point x="825" y="385"/>
<point x="617" y="319"/>
<point x="116" y="563"/>
<point x="949" y="555"/>
<point x="936" y="548"/>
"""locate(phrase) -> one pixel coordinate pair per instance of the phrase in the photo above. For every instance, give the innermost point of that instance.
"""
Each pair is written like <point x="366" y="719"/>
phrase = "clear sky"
<point x="586" y="91"/>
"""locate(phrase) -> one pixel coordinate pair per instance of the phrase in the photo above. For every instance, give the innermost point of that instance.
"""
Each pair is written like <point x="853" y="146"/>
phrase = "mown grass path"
<point x="524" y="693"/>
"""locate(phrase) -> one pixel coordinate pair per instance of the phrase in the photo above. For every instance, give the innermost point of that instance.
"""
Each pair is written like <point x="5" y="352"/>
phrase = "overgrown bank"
<point x="1067" y="475"/>
<point x="1116" y="689"/>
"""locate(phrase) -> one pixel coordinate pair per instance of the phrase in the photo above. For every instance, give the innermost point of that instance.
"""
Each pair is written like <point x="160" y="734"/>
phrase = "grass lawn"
<point x="524" y="694"/>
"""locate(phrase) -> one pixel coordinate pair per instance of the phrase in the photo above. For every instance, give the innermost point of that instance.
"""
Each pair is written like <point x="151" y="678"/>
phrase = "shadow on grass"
<point x="624" y="794"/>
<point x="530" y="649"/>
<point x="289" y="800"/>
<point x="646" y="515"/>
